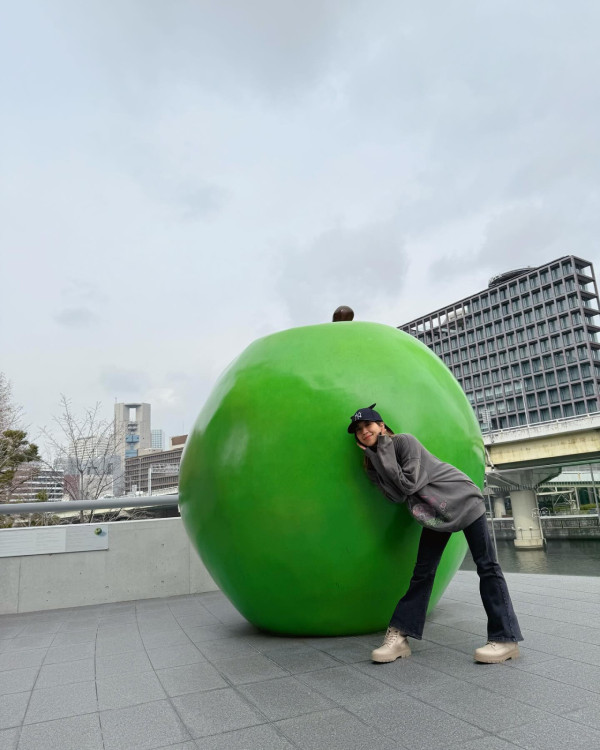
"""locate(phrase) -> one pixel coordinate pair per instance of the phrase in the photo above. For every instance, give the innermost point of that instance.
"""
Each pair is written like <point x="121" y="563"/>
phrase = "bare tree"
<point x="88" y="448"/>
<point x="18" y="457"/>
<point x="10" y="413"/>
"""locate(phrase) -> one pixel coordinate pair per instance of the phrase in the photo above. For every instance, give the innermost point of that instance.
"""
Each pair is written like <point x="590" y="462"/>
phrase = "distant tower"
<point x="132" y="427"/>
<point x="158" y="440"/>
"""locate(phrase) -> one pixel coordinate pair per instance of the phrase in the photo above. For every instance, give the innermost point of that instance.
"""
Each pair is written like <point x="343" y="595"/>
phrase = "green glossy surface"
<point x="272" y="490"/>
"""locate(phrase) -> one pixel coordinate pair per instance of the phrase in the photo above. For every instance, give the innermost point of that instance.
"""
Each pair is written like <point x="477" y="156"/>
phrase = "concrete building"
<point x="526" y="349"/>
<point x="33" y="481"/>
<point x="133" y="430"/>
<point x="154" y="473"/>
<point x="158" y="440"/>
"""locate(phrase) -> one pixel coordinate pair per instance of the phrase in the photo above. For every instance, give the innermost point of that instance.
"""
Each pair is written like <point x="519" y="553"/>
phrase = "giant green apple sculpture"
<point x="272" y="490"/>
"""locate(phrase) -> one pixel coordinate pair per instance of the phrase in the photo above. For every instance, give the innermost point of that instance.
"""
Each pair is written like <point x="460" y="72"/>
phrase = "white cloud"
<point x="185" y="177"/>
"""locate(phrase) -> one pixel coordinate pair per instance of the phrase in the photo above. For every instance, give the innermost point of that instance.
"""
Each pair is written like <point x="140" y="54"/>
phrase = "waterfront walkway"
<point x="189" y="673"/>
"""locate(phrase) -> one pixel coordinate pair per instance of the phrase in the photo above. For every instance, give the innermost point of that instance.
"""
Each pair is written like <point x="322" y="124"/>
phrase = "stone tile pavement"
<point x="189" y="673"/>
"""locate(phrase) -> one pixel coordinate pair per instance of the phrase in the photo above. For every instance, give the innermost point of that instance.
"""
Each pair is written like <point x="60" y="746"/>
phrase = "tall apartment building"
<point x="526" y="349"/>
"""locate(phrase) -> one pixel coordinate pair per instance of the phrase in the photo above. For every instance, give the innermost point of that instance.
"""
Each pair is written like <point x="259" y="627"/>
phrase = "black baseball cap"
<point x="368" y="414"/>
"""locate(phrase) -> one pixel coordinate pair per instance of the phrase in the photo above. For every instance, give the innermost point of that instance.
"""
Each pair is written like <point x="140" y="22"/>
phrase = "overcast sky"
<point x="184" y="176"/>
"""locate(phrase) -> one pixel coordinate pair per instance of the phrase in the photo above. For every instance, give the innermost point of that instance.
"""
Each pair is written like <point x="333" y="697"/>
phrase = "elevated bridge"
<point x="566" y="441"/>
<point x="521" y="458"/>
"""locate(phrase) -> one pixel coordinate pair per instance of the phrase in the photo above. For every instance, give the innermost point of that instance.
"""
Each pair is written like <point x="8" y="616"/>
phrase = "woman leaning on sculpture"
<point x="442" y="500"/>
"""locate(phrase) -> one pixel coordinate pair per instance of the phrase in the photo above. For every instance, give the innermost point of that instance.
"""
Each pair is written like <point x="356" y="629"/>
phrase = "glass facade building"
<point x="527" y="348"/>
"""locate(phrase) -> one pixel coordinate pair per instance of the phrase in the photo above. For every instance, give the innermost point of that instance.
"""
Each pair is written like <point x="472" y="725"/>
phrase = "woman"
<point x="442" y="500"/>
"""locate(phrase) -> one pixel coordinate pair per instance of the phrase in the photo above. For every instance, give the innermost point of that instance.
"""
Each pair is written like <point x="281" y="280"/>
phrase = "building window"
<point x="565" y="394"/>
<point x="550" y="378"/>
<point x="592" y="405"/>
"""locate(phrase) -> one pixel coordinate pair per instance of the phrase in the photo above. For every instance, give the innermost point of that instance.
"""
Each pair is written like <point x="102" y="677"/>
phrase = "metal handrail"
<point x="113" y="503"/>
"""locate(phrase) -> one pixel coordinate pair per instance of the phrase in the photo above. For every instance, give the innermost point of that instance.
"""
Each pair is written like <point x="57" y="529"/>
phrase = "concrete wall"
<point x="573" y="527"/>
<point x="144" y="559"/>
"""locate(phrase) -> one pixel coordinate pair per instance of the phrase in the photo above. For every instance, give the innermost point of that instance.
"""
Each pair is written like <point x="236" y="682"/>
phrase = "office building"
<point x="34" y="481"/>
<point x="158" y="440"/>
<point x="154" y="473"/>
<point x="526" y="349"/>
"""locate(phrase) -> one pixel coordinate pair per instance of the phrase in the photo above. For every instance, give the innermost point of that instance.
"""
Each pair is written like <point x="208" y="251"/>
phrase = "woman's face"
<point x="368" y="432"/>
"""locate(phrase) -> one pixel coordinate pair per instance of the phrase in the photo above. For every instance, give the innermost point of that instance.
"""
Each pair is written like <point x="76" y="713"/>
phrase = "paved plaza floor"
<point x="190" y="673"/>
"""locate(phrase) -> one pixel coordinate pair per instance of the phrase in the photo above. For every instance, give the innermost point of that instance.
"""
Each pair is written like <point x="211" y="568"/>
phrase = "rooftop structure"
<point x="526" y="349"/>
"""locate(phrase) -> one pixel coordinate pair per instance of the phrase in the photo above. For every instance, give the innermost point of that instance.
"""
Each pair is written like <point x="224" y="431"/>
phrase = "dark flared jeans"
<point x="409" y="615"/>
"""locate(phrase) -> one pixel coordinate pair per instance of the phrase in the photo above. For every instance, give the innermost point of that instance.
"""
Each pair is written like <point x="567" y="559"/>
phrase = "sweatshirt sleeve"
<point x="412" y="475"/>
<point x="374" y="478"/>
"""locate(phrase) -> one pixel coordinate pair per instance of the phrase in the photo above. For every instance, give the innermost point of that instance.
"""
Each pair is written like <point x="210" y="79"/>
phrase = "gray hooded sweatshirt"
<point x="438" y="495"/>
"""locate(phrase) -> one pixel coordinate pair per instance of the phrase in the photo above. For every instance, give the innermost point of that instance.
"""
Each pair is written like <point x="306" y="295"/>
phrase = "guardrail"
<point x="113" y="503"/>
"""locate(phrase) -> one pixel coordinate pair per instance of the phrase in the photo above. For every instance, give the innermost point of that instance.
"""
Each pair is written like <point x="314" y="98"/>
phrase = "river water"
<point x="569" y="557"/>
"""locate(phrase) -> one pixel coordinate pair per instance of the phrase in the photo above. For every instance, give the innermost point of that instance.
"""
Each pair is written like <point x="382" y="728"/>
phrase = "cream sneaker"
<point x="495" y="652"/>
<point x="395" y="646"/>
